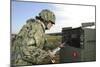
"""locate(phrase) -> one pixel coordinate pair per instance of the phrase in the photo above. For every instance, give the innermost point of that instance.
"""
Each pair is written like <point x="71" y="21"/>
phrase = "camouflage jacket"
<point x="27" y="48"/>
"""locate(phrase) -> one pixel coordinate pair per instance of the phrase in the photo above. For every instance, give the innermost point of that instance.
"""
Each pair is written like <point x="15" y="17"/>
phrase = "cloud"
<point x="71" y="16"/>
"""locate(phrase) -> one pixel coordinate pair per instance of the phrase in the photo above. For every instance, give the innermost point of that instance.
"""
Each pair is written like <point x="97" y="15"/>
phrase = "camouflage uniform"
<point x="27" y="48"/>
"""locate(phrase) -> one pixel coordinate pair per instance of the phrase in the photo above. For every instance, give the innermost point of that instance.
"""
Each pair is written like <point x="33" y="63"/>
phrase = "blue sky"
<point x="66" y="15"/>
<point x="21" y="11"/>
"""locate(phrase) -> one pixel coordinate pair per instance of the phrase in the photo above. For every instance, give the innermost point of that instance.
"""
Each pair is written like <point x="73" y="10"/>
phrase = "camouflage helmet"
<point x="47" y="15"/>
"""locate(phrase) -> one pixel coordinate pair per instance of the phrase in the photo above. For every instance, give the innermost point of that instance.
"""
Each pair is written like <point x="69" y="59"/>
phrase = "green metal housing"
<point x="80" y="45"/>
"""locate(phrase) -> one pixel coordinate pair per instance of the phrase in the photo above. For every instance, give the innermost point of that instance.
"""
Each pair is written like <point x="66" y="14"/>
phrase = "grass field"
<point x="53" y="40"/>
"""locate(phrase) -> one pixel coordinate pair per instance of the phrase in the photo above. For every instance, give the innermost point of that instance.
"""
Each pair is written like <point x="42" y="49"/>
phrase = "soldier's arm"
<point x="33" y="54"/>
<point x="30" y="52"/>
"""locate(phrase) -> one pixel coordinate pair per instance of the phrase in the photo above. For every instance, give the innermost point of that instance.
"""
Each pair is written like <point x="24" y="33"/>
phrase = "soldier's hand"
<point x="62" y="45"/>
<point x="53" y="61"/>
<point x="51" y="54"/>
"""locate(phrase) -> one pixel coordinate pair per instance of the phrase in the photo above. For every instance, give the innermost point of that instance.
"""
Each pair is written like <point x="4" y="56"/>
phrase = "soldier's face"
<point x="49" y="25"/>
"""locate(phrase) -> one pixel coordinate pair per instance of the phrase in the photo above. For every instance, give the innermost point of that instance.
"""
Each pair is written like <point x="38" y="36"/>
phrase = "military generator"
<point x="80" y="45"/>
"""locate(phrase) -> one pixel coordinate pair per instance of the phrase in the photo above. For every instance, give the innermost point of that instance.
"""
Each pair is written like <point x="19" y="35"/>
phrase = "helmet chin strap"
<point x="45" y="23"/>
<point x="46" y="28"/>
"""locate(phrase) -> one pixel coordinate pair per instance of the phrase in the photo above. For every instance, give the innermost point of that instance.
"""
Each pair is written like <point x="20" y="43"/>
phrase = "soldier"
<point x="29" y="45"/>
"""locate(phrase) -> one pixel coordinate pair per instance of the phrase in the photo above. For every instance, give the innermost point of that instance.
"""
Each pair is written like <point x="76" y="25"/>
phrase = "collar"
<point x="42" y="24"/>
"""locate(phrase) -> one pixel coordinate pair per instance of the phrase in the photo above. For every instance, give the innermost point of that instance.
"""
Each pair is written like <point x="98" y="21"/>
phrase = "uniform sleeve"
<point x="29" y="51"/>
<point x="34" y="55"/>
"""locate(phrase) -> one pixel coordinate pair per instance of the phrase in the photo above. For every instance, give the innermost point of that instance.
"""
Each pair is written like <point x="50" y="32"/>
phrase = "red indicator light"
<point x="74" y="54"/>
